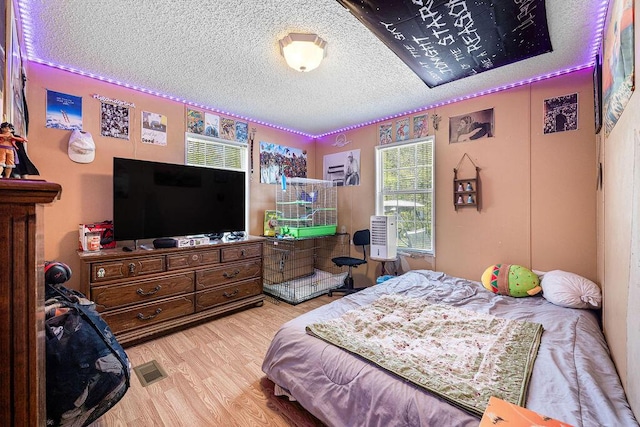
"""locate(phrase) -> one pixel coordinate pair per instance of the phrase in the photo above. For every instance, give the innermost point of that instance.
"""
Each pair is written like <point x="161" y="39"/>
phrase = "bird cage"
<point x="307" y="207"/>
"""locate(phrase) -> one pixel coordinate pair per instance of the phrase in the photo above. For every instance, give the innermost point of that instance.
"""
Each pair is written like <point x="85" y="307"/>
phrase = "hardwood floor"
<point x="214" y="373"/>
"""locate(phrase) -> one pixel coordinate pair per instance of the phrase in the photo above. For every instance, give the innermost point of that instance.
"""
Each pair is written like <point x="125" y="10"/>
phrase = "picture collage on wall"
<point x="402" y="130"/>
<point x="209" y="124"/>
<point x="114" y="120"/>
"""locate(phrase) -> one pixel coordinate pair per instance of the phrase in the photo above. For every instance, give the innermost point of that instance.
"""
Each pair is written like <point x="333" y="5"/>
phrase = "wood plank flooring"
<point x="214" y="373"/>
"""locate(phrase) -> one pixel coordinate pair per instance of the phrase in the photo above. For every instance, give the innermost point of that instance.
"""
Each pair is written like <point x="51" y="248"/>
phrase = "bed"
<point x="572" y="376"/>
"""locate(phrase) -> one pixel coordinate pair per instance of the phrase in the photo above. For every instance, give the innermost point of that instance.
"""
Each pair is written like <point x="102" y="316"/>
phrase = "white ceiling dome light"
<point x="303" y="52"/>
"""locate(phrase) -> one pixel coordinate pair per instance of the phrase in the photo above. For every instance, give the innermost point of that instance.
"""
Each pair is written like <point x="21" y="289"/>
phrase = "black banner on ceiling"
<point x="446" y="40"/>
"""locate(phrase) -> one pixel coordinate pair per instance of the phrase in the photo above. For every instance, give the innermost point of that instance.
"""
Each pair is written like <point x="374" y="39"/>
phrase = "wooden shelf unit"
<point x="22" y="346"/>
<point x="466" y="191"/>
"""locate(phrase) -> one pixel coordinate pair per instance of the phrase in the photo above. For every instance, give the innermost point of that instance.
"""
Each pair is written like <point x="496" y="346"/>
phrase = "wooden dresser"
<point x="146" y="293"/>
<point x="22" y="347"/>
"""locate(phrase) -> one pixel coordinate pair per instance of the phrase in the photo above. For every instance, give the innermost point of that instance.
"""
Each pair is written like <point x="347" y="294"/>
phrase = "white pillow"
<point x="570" y="290"/>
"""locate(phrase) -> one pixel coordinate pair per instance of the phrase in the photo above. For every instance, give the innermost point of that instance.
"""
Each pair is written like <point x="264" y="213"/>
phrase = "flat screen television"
<point x="158" y="200"/>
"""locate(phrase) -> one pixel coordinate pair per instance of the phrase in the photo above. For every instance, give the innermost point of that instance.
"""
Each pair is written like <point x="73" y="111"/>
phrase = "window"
<point x="215" y="153"/>
<point x="404" y="176"/>
<point x="209" y="152"/>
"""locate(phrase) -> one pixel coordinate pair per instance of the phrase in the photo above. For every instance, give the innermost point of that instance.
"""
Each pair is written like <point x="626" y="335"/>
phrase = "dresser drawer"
<point x="116" y="296"/>
<point x="130" y="267"/>
<point x="217" y="296"/>
<point x="148" y="314"/>
<point x="193" y="259"/>
<point x="234" y="253"/>
<point x="228" y="273"/>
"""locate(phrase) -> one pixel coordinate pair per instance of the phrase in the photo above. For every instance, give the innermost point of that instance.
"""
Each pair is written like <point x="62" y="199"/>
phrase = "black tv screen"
<point x="154" y="200"/>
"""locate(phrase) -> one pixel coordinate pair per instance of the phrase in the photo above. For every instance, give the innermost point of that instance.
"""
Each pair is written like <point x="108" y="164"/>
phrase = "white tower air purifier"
<point x="384" y="237"/>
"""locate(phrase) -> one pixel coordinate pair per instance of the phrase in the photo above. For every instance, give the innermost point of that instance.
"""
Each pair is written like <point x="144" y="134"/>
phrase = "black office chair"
<point x="360" y="238"/>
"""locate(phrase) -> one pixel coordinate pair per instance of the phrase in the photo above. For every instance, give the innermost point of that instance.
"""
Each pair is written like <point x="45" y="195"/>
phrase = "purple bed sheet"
<point x="574" y="379"/>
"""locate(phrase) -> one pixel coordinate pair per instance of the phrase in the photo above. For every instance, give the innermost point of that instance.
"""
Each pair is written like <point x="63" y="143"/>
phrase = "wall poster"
<point x="154" y="128"/>
<point x="342" y="168"/>
<point x="277" y="160"/>
<point x="242" y="132"/>
<point x="443" y="41"/>
<point x="63" y="111"/>
<point x="402" y="129"/>
<point x="211" y="125"/>
<point x="561" y="113"/>
<point x="472" y="126"/>
<point x="420" y="126"/>
<point x="16" y="79"/>
<point x="114" y="120"/>
<point x="228" y="129"/>
<point x="618" y="65"/>
<point x="385" y="133"/>
<point x="195" y="121"/>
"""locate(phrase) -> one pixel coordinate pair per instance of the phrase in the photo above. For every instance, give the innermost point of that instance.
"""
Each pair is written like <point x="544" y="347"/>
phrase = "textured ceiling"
<point x="224" y="54"/>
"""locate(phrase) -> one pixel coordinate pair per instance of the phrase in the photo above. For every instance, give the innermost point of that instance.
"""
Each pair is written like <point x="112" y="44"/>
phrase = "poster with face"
<point x="342" y="168"/>
<point x="472" y="126"/>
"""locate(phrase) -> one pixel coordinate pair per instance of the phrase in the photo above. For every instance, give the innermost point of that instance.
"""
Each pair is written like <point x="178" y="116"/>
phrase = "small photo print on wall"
<point x="420" y="126"/>
<point x="561" y="113"/>
<point x="63" y="111"/>
<point x="342" y="168"/>
<point x="385" y="133"/>
<point x="195" y="121"/>
<point x="472" y="126"/>
<point x="211" y="125"/>
<point x="114" y="120"/>
<point x="402" y="130"/>
<point x="154" y="128"/>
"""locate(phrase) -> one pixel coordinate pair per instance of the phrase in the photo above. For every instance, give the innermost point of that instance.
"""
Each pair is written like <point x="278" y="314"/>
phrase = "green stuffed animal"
<point x="510" y="279"/>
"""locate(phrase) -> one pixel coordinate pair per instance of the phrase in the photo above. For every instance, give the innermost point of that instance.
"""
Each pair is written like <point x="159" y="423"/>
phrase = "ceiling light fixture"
<point x="303" y="52"/>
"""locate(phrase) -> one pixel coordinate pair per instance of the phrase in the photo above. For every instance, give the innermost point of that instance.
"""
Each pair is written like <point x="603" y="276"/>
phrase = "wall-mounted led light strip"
<point x="28" y="35"/>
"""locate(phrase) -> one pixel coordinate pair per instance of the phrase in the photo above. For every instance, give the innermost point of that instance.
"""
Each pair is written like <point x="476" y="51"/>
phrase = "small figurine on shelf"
<point x="469" y="186"/>
<point x="470" y="199"/>
<point x="8" y="149"/>
<point x="16" y="163"/>
<point x="460" y="201"/>
<point x="460" y="187"/>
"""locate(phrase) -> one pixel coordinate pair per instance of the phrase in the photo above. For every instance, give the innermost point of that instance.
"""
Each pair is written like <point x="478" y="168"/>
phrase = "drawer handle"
<point x="232" y="294"/>
<point x="231" y="275"/>
<point x="242" y="253"/>
<point x="132" y="268"/>
<point x="149" y="317"/>
<point x="145" y="294"/>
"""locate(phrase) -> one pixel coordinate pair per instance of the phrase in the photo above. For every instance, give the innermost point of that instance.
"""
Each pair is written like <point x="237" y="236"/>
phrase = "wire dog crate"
<point x="307" y="207"/>
<point x="296" y="270"/>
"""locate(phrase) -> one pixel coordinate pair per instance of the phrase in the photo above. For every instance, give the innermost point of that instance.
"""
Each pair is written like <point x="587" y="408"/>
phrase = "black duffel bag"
<point x="88" y="371"/>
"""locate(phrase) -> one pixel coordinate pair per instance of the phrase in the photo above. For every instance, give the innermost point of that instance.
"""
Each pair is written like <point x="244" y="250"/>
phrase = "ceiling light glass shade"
<point x="303" y="52"/>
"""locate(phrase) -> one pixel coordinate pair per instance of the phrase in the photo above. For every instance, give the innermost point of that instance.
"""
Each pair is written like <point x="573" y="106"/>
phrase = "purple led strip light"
<point x="27" y="30"/>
